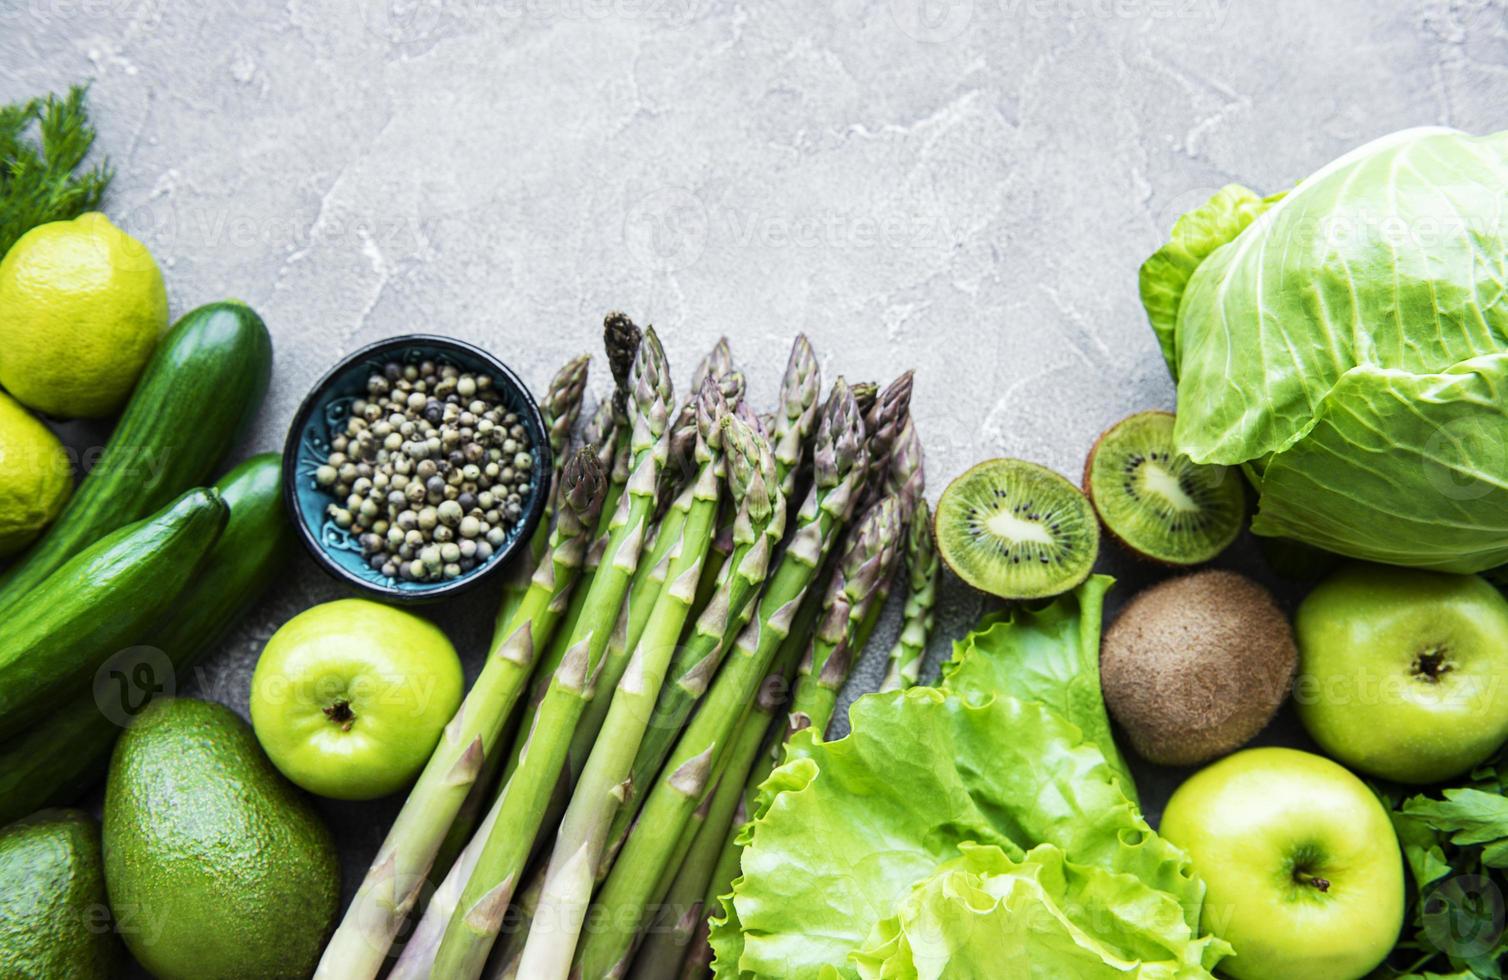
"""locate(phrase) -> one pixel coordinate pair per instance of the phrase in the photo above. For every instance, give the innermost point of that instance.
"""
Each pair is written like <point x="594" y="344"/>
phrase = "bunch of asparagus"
<point x="709" y="580"/>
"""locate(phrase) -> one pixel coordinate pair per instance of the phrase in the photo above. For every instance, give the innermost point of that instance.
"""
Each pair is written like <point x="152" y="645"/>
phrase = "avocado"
<point x="54" y="921"/>
<point x="216" y="866"/>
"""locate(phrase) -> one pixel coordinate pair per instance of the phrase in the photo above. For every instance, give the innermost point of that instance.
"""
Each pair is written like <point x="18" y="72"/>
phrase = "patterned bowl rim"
<point x="319" y="398"/>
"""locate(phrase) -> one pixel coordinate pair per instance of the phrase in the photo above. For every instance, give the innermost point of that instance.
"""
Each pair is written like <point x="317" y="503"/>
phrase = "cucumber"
<point x="195" y="399"/>
<point x="53" y="763"/>
<point x="99" y="602"/>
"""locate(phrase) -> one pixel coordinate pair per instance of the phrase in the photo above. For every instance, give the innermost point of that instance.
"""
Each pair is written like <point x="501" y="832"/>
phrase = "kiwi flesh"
<point x="1194" y="667"/>
<point x="1017" y="530"/>
<point x="1155" y="500"/>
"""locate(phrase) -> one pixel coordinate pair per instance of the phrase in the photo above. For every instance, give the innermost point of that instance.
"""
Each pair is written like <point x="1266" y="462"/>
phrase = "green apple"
<point x="1403" y="674"/>
<point x="349" y="698"/>
<point x="1303" y="870"/>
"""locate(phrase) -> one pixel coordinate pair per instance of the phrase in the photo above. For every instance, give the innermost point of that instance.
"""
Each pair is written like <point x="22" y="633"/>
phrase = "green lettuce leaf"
<point x="1049" y="655"/>
<point x="1195" y="237"/>
<point x="1342" y="348"/>
<point x="846" y="829"/>
<point x="1044" y="914"/>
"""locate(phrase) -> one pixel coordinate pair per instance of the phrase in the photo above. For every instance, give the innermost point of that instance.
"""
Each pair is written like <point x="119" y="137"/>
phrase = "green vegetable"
<point x="102" y="600"/>
<point x="935" y="794"/>
<point x="1066" y="919"/>
<point x="38" y="182"/>
<point x="871" y="553"/>
<point x="54" y="920"/>
<point x="1348" y="344"/>
<point x="582" y="837"/>
<point x="392" y="884"/>
<point x="479" y="914"/>
<point x="198" y="393"/>
<point x="840" y="464"/>
<point x="217" y="868"/>
<point x="1049" y="654"/>
<point x="919" y="616"/>
<point x="1455" y="844"/>
<point x="57" y="759"/>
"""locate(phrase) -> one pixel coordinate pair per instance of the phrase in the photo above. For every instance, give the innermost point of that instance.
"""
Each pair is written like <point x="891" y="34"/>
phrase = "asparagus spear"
<point x="718" y="364"/>
<point x="478" y="916"/>
<point x="869" y="549"/>
<point x="560" y="407"/>
<point x="583" y="833"/>
<point x="608" y="433"/>
<point x="920" y="615"/>
<point x="840" y="465"/>
<point x="865" y="393"/>
<point x="824" y="669"/>
<point x="800" y="399"/>
<point x="906" y="477"/>
<point x="622" y="339"/>
<point x="392" y="885"/>
<point x="663" y="952"/>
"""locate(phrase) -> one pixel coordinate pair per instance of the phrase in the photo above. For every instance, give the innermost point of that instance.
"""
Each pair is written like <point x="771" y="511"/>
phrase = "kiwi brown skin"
<point x="1196" y="666"/>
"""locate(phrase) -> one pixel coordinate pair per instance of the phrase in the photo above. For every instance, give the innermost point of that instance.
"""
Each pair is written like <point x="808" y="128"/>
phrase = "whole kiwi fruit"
<point x="1196" y="666"/>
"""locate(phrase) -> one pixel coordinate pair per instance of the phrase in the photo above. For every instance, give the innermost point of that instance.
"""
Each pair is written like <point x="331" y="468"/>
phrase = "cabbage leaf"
<point x="1345" y="346"/>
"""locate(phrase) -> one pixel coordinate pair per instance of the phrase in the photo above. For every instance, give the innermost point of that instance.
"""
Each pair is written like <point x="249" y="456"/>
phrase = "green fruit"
<point x="1402" y="673"/>
<point x="201" y="389"/>
<point x="104" y="600"/>
<point x="54" y="919"/>
<point x="225" y="870"/>
<point x="1302" y="867"/>
<point x="1155" y="500"/>
<point x="81" y="307"/>
<point x="58" y="758"/>
<point x="349" y="698"/>
<point x="1017" y="530"/>
<point x="1196" y="666"/>
<point x="35" y="477"/>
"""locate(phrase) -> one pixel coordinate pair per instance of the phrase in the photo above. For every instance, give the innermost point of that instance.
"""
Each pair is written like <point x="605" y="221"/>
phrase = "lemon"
<point x="81" y="307"/>
<point x="35" y="479"/>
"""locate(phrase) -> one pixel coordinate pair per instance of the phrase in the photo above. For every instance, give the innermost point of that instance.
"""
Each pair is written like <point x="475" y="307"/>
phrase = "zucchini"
<point x="54" y="762"/>
<point x="101" y="600"/>
<point x="195" y="399"/>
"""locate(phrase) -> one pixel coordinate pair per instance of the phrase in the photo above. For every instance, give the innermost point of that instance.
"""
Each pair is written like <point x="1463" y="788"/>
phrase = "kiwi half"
<point x="1158" y="502"/>
<point x="1017" y="530"/>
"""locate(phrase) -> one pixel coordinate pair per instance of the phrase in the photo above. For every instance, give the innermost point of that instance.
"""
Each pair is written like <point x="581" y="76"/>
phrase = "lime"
<point x="81" y="307"/>
<point x="35" y="479"/>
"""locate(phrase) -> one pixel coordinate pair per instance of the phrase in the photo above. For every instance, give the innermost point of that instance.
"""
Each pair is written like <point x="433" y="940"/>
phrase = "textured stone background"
<point x="961" y="186"/>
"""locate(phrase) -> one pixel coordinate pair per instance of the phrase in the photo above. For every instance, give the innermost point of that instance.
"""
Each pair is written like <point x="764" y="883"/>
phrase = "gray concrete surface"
<point x="966" y="187"/>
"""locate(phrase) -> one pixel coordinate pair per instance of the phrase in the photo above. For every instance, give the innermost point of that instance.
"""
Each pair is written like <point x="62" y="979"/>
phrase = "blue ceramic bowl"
<point x="323" y="415"/>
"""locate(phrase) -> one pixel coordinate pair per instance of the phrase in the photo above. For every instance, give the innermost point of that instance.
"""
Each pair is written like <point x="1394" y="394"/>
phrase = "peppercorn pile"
<point x="430" y="473"/>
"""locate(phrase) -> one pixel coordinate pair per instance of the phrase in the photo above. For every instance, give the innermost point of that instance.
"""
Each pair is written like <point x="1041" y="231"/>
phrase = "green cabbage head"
<point x="1347" y="343"/>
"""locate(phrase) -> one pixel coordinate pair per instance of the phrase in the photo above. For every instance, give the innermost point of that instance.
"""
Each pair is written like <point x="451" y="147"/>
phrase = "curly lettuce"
<point x="951" y="819"/>
<point x="1347" y="344"/>
<point x="1054" y="917"/>
<point x="1050" y="655"/>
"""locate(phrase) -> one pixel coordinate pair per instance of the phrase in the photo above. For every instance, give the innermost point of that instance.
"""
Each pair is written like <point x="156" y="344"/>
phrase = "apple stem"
<point x="1305" y="878"/>
<point x="340" y="712"/>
